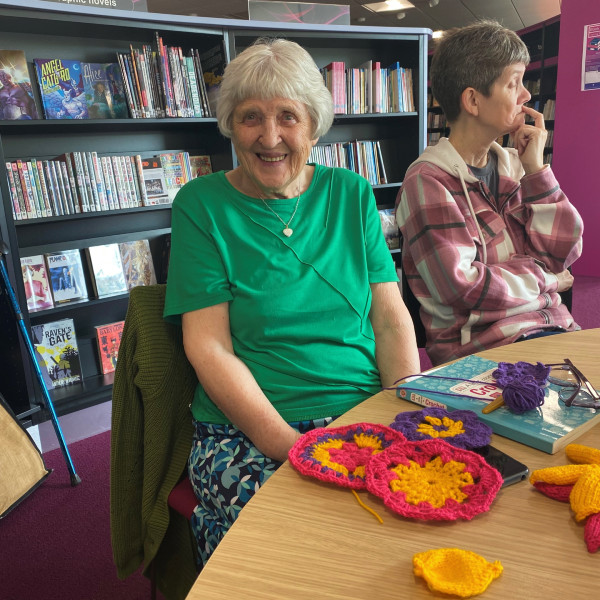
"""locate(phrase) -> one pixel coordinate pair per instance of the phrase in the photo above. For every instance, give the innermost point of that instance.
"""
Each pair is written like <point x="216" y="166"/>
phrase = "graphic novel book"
<point x="61" y="88"/>
<point x="137" y="263"/>
<point x="36" y="282"/>
<point x="16" y="96"/>
<point x="109" y="338"/>
<point x="65" y="270"/>
<point x="57" y="352"/>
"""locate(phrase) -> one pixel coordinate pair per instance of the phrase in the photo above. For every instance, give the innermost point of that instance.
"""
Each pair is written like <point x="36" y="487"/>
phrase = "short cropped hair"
<point x="472" y="56"/>
<point x="275" y="68"/>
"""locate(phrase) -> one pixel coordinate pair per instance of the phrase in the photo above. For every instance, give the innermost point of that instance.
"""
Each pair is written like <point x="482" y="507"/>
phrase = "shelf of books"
<point x="103" y="119"/>
<point x="541" y="75"/>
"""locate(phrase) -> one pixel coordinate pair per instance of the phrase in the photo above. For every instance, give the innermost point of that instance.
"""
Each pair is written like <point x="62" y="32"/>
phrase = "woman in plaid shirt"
<point x="488" y="233"/>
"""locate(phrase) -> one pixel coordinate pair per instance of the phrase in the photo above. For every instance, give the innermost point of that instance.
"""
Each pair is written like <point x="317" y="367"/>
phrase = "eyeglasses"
<point x="575" y="388"/>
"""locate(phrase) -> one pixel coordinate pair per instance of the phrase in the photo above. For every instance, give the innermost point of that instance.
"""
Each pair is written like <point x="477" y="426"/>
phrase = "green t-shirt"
<point x="298" y="306"/>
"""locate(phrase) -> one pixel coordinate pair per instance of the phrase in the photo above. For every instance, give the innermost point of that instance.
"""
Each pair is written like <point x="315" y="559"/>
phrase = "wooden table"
<point x="301" y="538"/>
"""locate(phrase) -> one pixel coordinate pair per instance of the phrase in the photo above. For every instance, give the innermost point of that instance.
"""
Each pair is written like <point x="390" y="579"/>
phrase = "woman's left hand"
<point x="529" y="140"/>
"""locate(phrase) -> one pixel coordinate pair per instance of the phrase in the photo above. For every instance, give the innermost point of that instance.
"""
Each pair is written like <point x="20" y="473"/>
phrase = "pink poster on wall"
<point x="590" y="68"/>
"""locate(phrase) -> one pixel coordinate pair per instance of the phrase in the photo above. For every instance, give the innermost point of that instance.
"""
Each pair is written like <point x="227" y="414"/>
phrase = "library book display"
<point x="72" y="141"/>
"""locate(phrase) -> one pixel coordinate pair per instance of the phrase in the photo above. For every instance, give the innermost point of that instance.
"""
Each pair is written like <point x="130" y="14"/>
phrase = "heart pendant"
<point x="287" y="232"/>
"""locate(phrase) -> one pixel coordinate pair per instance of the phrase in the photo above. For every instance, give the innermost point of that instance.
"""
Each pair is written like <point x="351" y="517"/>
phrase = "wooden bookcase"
<point x="68" y="32"/>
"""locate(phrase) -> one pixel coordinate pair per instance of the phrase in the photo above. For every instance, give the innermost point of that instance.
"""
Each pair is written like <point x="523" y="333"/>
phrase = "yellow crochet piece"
<point x="583" y="454"/>
<point x="585" y="496"/>
<point x="455" y="571"/>
<point x="564" y="475"/>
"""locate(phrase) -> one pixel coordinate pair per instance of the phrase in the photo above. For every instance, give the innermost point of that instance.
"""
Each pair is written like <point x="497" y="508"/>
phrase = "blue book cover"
<point x="61" y="88"/>
<point x="103" y="88"/>
<point x="548" y="428"/>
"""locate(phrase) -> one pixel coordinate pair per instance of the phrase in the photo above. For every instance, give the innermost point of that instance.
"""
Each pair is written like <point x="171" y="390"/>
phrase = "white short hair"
<point x="275" y="68"/>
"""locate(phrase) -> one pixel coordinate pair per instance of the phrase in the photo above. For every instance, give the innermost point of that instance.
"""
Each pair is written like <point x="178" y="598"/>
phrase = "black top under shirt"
<point x="488" y="174"/>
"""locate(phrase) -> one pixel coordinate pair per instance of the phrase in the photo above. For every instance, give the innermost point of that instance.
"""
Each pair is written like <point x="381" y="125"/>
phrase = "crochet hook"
<point x="493" y="405"/>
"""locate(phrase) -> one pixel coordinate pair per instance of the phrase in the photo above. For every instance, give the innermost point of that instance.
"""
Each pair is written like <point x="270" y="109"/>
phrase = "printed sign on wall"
<point x="137" y="5"/>
<point x="590" y="67"/>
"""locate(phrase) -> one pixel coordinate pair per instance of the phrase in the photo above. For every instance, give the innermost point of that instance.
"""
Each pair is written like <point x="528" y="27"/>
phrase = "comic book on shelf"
<point x="176" y="171"/>
<point x="155" y="187"/>
<point x="17" y="102"/>
<point x="106" y="269"/>
<point x="57" y="352"/>
<point x="390" y="228"/>
<point x="104" y="92"/>
<point x="108" y="338"/>
<point x="61" y="88"/>
<point x="137" y="263"/>
<point x="548" y="428"/>
<point x="36" y="282"/>
<point x="200" y="165"/>
<point x="67" y="281"/>
<point x="214" y="61"/>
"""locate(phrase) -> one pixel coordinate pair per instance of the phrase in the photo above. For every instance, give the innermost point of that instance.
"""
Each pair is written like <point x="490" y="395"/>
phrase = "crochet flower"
<point x="577" y="484"/>
<point x="461" y="428"/>
<point x="340" y="454"/>
<point x="432" y="480"/>
<point x="454" y="571"/>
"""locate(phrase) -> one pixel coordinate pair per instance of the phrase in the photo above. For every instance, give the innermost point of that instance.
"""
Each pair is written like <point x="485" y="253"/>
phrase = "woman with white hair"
<point x="283" y="284"/>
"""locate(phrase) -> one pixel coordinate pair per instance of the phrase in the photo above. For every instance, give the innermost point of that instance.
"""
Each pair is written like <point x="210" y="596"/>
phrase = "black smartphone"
<point x="511" y="469"/>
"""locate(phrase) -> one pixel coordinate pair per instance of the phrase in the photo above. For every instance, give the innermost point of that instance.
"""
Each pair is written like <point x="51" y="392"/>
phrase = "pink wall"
<point x="576" y="157"/>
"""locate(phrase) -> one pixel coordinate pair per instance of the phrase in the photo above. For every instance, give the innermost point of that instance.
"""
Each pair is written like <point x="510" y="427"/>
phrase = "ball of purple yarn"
<point x="522" y="395"/>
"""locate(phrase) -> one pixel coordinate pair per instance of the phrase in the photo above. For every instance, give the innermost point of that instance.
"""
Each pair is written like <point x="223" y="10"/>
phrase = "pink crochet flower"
<point x="432" y="480"/>
<point x="339" y="454"/>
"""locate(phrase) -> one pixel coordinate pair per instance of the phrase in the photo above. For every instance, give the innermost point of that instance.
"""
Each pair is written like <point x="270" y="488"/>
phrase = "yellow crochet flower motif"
<point x="435" y="482"/>
<point x="452" y="428"/>
<point x="364" y="446"/>
<point x="455" y="571"/>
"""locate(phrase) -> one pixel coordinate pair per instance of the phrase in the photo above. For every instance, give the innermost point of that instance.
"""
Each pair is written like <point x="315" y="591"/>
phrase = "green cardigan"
<point x="151" y="440"/>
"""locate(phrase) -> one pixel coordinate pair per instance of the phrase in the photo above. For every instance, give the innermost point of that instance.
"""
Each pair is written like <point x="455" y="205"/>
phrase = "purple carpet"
<point x="56" y="544"/>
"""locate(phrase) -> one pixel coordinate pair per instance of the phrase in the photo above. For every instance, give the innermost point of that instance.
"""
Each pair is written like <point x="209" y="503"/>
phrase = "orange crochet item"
<point x="454" y="571"/>
<point x="565" y="475"/>
<point x="583" y="454"/>
<point x="585" y="496"/>
<point x="580" y="485"/>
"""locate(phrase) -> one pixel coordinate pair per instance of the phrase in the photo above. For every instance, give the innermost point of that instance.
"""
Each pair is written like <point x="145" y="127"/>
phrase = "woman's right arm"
<point x="230" y="384"/>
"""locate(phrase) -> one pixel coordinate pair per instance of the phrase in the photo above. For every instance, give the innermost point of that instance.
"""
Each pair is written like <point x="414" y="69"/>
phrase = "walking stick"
<point x="75" y="480"/>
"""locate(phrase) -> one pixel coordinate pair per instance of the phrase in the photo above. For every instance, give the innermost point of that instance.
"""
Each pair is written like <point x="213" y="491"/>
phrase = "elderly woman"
<point x="488" y="233"/>
<point x="282" y="280"/>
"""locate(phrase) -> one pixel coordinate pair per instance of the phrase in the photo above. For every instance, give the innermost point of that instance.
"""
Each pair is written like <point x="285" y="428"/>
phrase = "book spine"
<point x="35" y="177"/>
<point x="16" y="208"/>
<point x="116" y="167"/>
<point x="89" y="166"/>
<point x="44" y="185"/>
<point x="108" y="189"/>
<point x="27" y="194"/>
<point x="30" y="178"/>
<point x="127" y="87"/>
<point x="140" y="176"/>
<point x="57" y="166"/>
<point x="99" y="181"/>
<point x="51" y="188"/>
<point x="131" y="168"/>
<point x="71" y="173"/>
<point x="80" y="181"/>
<point x="69" y="178"/>
<point x="19" y="188"/>
<point x="113" y="182"/>
<point x="130" y="184"/>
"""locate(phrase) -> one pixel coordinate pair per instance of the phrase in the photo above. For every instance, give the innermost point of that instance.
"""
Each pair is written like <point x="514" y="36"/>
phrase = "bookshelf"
<point x="541" y="74"/>
<point x="71" y="32"/>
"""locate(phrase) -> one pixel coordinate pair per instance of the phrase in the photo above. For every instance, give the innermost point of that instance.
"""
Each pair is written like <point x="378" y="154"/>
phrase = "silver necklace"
<point x="287" y="231"/>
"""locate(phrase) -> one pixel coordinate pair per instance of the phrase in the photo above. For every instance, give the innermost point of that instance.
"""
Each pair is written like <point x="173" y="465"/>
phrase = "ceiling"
<point x="514" y="14"/>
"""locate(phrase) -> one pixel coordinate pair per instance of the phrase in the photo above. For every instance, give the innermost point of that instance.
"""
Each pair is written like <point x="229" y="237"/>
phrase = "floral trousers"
<point x="226" y="470"/>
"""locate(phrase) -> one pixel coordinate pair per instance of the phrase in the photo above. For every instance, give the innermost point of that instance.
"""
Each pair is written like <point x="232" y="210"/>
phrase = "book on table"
<point x="548" y="428"/>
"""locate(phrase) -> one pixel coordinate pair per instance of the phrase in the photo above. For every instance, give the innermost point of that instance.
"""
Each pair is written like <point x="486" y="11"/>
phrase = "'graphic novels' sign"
<point x="137" y="5"/>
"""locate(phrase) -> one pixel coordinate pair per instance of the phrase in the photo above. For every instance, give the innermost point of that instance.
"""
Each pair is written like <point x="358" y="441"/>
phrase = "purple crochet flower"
<point x="461" y="428"/>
